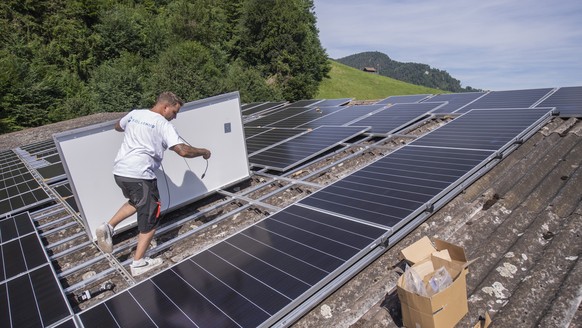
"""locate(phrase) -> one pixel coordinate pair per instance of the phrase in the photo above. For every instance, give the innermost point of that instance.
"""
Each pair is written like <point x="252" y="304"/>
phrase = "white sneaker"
<point x="103" y="233"/>
<point x="145" y="265"/>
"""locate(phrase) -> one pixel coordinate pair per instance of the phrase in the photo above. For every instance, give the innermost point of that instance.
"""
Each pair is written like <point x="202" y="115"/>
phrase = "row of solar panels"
<point x="280" y="136"/>
<point x="30" y="292"/>
<point x="566" y="100"/>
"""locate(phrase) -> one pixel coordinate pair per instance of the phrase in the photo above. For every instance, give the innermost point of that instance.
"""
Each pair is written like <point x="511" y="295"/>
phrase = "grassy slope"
<point x="348" y="82"/>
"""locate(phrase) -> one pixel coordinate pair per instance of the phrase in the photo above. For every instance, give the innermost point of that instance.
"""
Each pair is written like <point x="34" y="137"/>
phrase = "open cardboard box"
<point x="447" y="307"/>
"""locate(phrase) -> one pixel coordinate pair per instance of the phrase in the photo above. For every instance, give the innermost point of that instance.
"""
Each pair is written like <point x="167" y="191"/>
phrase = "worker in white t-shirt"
<point x="147" y="134"/>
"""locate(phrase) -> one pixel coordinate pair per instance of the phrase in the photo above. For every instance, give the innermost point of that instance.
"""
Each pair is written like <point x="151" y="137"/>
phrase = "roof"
<point x="520" y="221"/>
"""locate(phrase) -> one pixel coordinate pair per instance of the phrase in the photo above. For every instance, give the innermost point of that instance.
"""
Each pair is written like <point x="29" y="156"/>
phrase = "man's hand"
<point x="191" y="152"/>
<point x="206" y="154"/>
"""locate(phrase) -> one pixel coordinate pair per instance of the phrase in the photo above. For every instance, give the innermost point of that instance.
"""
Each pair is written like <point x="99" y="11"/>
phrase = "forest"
<point x="62" y="59"/>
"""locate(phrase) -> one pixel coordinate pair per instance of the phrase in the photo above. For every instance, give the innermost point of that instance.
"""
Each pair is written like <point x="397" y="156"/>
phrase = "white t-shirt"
<point x="147" y="136"/>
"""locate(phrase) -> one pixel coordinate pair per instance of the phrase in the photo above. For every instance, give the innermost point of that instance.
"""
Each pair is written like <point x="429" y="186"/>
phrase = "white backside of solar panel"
<point x="214" y="123"/>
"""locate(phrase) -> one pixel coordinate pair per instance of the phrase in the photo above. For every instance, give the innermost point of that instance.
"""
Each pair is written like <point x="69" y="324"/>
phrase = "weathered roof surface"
<point x="521" y="222"/>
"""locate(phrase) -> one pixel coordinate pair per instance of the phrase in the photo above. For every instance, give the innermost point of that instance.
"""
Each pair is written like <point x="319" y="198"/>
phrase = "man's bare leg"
<point x="143" y="241"/>
<point x="123" y="213"/>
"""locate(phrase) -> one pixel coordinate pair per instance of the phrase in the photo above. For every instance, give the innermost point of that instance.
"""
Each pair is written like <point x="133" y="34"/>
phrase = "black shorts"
<point x="145" y="197"/>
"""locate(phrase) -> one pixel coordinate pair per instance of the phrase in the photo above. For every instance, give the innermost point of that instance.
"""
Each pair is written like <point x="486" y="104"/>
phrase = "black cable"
<point x="167" y="184"/>
<point x="205" y="169"/>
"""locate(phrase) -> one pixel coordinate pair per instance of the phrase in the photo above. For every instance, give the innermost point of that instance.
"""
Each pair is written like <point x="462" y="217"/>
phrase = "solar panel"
<point x="15" y="227"/>
<point x="39" y="147"/>
<point x="251" y="131"/>
<point x="270" y="138"/>
<point x="399" y="186"/>
<point x="277" y="116"/>
<point x="250" y="105"/>
<point x="32" y="299"/>
<point x="70" y="323"/>
<point x="484" y="129"/>
<point x="66" y="193"/>
<point x="402" y="99"/>
<point x="251" y="279"/>
<point x="455" y="101"/>
<point x="396" y="117"/>
<point x="310" y="115"/>
<point x="56" y="158"/>
<point x="334" y="102"/>
<point x="344" y="116"/>
<point x="18" y="188"/>
<point x="304" y="147"/>
<point x="264" y="107"/>
<point x="567" y="100"/>
<point x="52" y="172"/>
<point x="507" y="99"/>
<point x="305" y="103"/>
<point x="30" y="294"/>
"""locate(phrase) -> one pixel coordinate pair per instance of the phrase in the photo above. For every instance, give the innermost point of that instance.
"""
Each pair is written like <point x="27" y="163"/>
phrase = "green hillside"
<point x="348" y="82"/>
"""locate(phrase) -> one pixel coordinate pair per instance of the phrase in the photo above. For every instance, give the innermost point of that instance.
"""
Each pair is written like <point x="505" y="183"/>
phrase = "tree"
<point x="203" y="21"/>
<point x="190" y="70"/>
<point x="280" y="38"/>
<point x="250" y="84"/>
<point x="118" y="85"/>
<point x="28" y="92"/>
<point x="127" y="28"/>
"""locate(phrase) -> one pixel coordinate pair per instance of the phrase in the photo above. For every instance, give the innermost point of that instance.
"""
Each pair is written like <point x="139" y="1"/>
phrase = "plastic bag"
<point x="440" y="280"/>
<point x="413" y="283"/>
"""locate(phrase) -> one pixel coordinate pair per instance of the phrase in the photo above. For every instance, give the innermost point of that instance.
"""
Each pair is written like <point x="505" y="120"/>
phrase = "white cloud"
<point x="496" y="44"/>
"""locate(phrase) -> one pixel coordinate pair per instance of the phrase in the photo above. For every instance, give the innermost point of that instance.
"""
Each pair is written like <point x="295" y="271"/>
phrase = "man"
<point x="147" y="134"/>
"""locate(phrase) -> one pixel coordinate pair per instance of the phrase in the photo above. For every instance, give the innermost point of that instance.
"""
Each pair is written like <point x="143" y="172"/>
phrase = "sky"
<point x="486" y="44"/>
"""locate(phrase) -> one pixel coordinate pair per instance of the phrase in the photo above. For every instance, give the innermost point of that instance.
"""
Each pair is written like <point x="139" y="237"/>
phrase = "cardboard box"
<point x="445" y="308"/>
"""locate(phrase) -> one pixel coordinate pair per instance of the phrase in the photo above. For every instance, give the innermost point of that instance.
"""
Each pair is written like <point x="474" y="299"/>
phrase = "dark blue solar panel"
<point x="262" y="108"/>
<point x="251" y="131"/>
<point x="484" y="129"/>
<point x="277" y="116"/>
<point x="250" y="105"/>
<point x="270" y="138"/>
<point x="398" y="186"/>
<point x="303" y="118"/>
<point x="455" y="101"/>
<point x="334" y="102"/>
<point x="402" y="99"/>
<point x="344" y="116"/>
<point x="305" y="103"/>
<point x="304" y="147"/>
<point x="567" y="100"/>
<point x="30" y="294"/>
<point x="251" y="279"/>
<point x="18" y="188"/>
<point x="507" y="99"/>
<point x="396" y="117"/>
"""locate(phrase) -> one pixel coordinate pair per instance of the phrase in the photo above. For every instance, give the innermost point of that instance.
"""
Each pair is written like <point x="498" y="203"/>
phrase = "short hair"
<point x="169" y="98"/>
